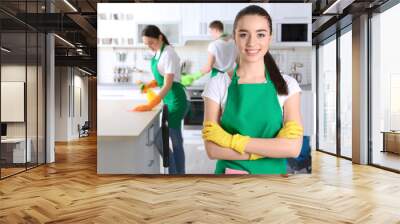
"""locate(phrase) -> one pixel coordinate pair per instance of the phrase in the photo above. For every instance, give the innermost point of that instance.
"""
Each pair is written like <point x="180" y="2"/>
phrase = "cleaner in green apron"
<point x="221" y="54"/>
<point x="252" y="123"/>
<point x="261" y="102"/>
<point x="172" y="94"/>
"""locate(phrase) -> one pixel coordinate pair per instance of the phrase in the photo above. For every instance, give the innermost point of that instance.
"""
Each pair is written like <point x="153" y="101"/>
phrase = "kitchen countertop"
<point x="113" y="116"/>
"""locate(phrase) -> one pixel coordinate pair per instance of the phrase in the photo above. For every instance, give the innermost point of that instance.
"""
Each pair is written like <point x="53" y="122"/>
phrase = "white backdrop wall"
<point x="71" y="102"/>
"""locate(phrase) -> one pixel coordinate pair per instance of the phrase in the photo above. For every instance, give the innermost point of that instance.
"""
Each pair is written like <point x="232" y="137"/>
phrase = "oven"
<point x="195" y="115"/>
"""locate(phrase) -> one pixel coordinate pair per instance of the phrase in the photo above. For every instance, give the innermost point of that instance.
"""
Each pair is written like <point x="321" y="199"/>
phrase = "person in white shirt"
<point x="252" y="117"/>
<point x="222" y="54"/>
<point x="165" y="66"/>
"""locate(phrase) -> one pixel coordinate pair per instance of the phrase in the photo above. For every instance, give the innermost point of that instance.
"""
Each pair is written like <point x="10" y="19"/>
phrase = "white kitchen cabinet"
<point x="191" y="19"/>
<point x="210" y="13"/>
<point x="125" y="140"/>
<point x="166" y="11"/>
<point x="290" y="12"/>
<point x="197" y="17"/>
<point x="228" y="15"/>
<point x="118" y="23"/>
<point x="156" y="12"/>
<point x="283" y="13"/>
<point x="194" y="22"/>
<point x="172" y="30"/>
<point x="229" y="11"/>
<point x="130" y="154"/>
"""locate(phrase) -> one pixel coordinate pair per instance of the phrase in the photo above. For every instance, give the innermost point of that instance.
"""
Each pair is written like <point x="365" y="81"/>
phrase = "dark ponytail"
<point x="154" y="32"/>
<point x="275" y="75"/>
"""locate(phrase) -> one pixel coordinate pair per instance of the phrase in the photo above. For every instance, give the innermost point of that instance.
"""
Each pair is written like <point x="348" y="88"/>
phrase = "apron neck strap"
<point x="234" y="76"/>
<point x="161" y="50"/>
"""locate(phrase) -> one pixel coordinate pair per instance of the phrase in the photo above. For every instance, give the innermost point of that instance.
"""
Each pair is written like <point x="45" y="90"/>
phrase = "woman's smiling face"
<point x="252" y="37"/>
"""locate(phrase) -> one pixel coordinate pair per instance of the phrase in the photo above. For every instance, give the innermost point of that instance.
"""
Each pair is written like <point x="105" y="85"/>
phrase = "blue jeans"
<point x="177" y="156"/>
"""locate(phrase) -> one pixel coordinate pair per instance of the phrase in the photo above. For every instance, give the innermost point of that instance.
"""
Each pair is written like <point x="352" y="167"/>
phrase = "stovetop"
<point x="195" y="92"/>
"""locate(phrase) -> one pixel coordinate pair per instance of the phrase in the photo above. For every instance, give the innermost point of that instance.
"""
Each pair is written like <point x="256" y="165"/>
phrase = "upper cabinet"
<point x="122" y="25"/>
<point x="292" y="25"/>
<point x="167" y="17"/>
<point x="191" y="18"/>
<point x="291" y="22"/>
<point x="197" y="16"/>
<point x="157" y="12"/>
<point x="228" y="13"/>
<point x="170" y="29"/>
<point x="291" y="12"/>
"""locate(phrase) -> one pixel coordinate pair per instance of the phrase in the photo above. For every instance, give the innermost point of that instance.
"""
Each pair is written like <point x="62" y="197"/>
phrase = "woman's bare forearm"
<point x="168" y="81"/>
<point x="214" y="151"/>
<point x="275" y="147"/>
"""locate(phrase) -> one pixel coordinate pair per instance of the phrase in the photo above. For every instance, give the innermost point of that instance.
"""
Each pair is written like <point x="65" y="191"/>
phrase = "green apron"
<point x="175" y="98"/>
<point x="252" y="110"/>
<point x="214" y="71"/>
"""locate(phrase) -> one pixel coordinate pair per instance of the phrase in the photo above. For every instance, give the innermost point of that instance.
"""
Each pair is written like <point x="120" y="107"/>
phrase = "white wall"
<point x="69" y="85"/>
<point x="81" y="114"/>
<point x="196" y="53"/>
<point x="62" y="82"/>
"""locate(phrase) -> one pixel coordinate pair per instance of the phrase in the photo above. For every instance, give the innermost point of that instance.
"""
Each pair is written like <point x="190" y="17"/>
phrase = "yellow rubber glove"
<point x="215" y="133"/>
<point x="255" y="157"/>
<point x="149" y="106"/>
<point x="145" y="87"/>
<point x="239" y="143"/>
<point x="291" y="130"/>
<point x="150" y="95"/>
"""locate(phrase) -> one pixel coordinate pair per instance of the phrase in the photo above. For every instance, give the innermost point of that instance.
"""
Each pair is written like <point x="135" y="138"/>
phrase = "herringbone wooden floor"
<point x="70" y="191"/>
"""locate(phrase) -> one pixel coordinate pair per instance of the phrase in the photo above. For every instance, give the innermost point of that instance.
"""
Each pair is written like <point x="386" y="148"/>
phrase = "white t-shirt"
<point x="169" y="62"/>
<point x="224" y="52"/>
<point x="217" y="89"/>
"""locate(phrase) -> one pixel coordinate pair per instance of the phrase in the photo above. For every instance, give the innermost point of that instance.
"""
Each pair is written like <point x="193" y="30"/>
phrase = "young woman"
<point x="252" y="117"/>
<point x="165" y="66"/>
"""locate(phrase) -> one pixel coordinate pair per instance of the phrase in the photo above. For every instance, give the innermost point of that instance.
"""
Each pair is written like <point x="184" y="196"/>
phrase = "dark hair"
<point x="275" y="74"/>
<point x="154" y="32"/>
<point x="216" y="24"/>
